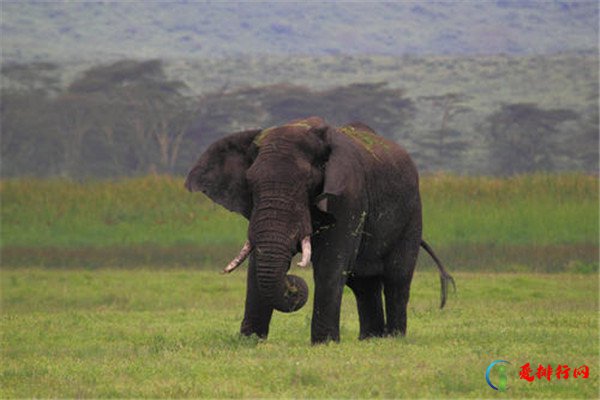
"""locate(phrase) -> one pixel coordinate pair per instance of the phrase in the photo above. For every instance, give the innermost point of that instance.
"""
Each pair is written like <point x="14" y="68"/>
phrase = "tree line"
<point x="129" y="118"/>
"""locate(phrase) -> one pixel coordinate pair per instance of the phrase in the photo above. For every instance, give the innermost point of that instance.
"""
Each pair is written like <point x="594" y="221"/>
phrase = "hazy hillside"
<point x="464" y="85"/>
<point x="95" y="31"/>
<point x="564" y="80"/>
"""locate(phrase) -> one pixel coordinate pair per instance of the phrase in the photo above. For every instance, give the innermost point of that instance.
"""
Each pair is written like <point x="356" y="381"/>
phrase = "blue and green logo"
<point x="502" y="375"/>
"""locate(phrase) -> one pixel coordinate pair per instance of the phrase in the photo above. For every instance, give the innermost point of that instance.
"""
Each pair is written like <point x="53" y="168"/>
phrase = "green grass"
<point x="148" y="333"/>
<point x="77" y="331"/>
<point x="539" y="209"/>
<point x="530" y="209"/>
<point x="154" y="209"/>
<point x="542" y="222"/>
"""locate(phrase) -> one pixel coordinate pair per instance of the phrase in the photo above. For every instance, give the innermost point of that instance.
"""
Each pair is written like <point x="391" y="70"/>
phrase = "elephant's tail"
<point x="445" y="277"/>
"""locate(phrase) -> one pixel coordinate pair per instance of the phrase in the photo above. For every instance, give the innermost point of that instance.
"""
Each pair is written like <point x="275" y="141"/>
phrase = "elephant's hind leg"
<point x="369" y="303"/>
<point x="398" y="273"/>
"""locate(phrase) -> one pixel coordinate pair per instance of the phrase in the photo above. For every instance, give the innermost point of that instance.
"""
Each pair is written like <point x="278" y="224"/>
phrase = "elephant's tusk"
<point x="306" y="252"/>
<point x="239" y="259"/>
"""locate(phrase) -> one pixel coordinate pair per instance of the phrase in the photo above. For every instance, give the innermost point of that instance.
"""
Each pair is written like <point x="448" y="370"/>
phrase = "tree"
<point x="442" y="147"/>
<point x="386" y="110"/>
<point x="524" y="138"/>
<point x="584" y="149"/>
<point x="222" y="112"/>
<point x="74" y="120"/>
<point x="29" y="144"/>
<point x="163" y="119"/>
<point x="138" y="102"/>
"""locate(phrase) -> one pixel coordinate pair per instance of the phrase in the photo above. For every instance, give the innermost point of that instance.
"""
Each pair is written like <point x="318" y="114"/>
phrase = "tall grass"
<point x="154" y="220"/>
<point x="529" y="209"/>
<point x="151" y="210"/>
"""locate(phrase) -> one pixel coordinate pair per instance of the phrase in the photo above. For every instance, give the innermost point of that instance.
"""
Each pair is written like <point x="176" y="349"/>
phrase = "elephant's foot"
<point x="324" y="339"/>
<point x="331" y="334"/>
<point x="249" y="329"/>
<point x="396" y="331"/>
<point x="371" y="334"/>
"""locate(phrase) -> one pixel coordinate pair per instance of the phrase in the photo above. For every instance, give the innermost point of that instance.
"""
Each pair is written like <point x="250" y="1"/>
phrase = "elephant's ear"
<point x="220" y="172"/>
<point x="341" y="173"/>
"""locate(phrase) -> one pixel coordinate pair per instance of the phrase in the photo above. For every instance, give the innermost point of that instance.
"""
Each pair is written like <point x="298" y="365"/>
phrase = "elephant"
<point x="345" y="198"/>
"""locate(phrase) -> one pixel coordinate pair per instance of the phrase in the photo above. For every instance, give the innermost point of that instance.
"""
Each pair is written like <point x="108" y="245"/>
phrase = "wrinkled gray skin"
<point x="354" y="193"/>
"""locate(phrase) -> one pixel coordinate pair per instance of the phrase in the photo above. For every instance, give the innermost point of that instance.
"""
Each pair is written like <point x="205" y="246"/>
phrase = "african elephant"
<point x="345" y="197"/>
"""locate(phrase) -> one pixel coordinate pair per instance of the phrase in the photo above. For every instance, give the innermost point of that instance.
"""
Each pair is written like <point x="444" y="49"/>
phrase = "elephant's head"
<point x="274" y="178"/>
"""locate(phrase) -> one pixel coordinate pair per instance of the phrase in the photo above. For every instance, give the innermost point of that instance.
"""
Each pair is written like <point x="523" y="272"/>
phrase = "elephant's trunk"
<point x="275" y="230"/>
<point x="286" y="293"/>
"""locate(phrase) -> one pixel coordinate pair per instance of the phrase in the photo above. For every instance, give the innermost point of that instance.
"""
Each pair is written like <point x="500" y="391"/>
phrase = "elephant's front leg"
<point x="257" y="314"/>
<point x="329" y="286"/>
<point x="334" y="253"/>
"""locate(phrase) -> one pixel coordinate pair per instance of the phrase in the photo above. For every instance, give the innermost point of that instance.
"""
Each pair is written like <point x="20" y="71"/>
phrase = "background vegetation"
<point x="136" y="117"/>
<point x="539" y="222"/>
<point x="113" y="89"/>
<point x="494" y="115"/>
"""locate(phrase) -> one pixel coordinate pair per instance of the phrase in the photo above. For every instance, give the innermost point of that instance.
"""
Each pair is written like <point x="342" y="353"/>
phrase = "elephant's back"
<point x="379" y="153"/>
<point x="391" y="187"/>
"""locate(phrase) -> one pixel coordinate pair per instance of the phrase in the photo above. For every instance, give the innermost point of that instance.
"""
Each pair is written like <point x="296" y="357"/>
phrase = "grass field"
<point x="148" y="333"/>
<point x="110" y="289"/>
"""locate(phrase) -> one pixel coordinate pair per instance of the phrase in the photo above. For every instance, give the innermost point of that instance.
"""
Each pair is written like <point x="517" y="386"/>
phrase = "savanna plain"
<point x="112" y="289"/>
